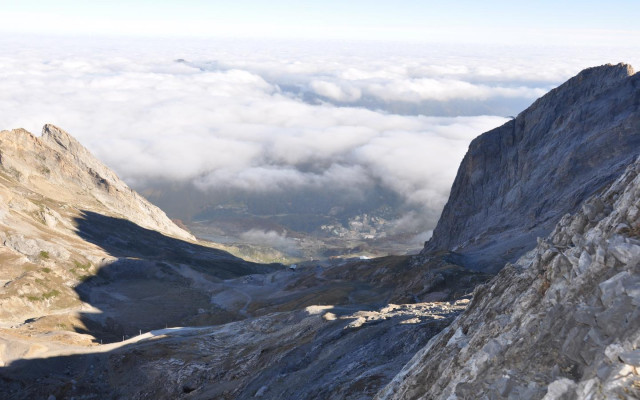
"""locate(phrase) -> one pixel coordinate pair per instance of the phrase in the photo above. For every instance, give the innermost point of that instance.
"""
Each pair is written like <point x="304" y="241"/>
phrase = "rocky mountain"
<point x="54" y="161"/>
<point x="78" y="247"/>
<point x="103" y="297"/>
<point x="93" y="278"/>
<point x="518" y="180"/>
<point x="563" y="322"/>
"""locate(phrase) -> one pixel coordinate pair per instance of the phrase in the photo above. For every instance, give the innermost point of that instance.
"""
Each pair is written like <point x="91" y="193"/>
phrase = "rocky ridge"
<point x="74" y="240"/>
<point x="57" y="160"/>
<point x="563" y="322"/>
<point x="329" y="331"/>
<point x="516" y="181"/>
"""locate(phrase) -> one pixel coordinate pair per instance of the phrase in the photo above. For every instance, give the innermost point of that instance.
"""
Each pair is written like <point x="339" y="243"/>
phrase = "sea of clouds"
<point x="272" y="117"/>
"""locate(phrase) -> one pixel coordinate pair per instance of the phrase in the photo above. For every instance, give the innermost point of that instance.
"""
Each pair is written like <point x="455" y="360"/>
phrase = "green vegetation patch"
<point x="51" y="294"/>
<point x="82" y="266"/>
<point x="45" y="296"/>
<point x="44" y="255"/>
<point x="81" y="271"/>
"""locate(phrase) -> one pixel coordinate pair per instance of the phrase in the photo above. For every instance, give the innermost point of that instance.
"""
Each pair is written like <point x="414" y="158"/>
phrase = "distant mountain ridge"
<point x="517" y="180"/>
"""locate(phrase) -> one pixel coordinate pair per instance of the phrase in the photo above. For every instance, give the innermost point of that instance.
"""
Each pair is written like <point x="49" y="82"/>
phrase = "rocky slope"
<point x="320" y="352"/>
<point x="319" y="332"/>
<point x="91" y="274"/>
<point x="563" y="322"/>
<point x="80" y="267"/>
<point x="516" y="181"/>
<point x="54" y="161"/>
<point x="78" y="248"/>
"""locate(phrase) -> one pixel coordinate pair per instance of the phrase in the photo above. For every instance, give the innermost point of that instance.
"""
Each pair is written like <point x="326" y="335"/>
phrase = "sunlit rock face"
<point x="561" y="323"/>
<point x="56" y="165"/>
<point x="518" y="180"/>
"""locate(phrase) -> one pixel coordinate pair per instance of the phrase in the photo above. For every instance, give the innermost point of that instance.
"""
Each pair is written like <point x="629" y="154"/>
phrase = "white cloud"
<point x="239" y="116"/>
<point x="335" y="92"/>
<point x="271" y="239"/>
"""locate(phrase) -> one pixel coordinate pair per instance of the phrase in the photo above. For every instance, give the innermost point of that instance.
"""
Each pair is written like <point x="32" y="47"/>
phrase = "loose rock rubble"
<point x="562" y="322"/>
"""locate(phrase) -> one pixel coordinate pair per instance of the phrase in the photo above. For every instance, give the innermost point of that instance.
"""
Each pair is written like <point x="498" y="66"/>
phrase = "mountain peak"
<point x="517" y="180"/>
<point x="52" y="134"/>
<point x="57" y="164"/>
<point x="620" y="69"/>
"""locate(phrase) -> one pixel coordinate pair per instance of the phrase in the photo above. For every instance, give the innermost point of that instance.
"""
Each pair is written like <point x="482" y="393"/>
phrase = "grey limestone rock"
<point x="561" y="323"/>
<point x="518" y="180"/>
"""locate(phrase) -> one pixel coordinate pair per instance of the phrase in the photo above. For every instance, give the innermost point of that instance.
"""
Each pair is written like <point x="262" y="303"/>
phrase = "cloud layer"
<point x="239" y="116"/>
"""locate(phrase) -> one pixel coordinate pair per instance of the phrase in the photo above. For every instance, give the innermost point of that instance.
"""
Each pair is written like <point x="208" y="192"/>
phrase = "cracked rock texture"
<point x="516" y="181"/>
<point x="563" y="322"/>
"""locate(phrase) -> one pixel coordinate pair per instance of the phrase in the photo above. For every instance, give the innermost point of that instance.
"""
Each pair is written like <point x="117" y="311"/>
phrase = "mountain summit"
<point x="518" y="180"/>
<point x="58" y="166"/>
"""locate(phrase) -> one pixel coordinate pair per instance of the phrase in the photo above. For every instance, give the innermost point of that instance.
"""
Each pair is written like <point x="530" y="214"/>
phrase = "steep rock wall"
<point x="516" y="181"/>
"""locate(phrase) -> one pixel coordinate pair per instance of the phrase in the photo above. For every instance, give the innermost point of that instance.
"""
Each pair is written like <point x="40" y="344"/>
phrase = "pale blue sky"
<point x="538" y="22"/>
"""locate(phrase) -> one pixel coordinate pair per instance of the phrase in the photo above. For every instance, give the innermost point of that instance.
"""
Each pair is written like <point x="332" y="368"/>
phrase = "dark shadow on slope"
<point x="124" y="239"/>
<point x="132" y="288"/>
<point x="156" y="281"/>
<point x="360" y="362"/>
<point x="147" y="288"/>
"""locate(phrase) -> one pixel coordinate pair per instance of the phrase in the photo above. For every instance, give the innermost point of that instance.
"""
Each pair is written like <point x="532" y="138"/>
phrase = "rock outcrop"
<point x="516" y="181"/>
<point x="563" y="322"/>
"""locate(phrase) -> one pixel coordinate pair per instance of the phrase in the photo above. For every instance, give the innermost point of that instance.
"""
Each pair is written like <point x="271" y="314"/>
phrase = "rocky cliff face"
<point x="563" y="322"/>
<point x="516" y="181"/>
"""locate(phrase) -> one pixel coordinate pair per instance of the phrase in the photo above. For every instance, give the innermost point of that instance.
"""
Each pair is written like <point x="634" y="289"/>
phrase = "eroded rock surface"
<point x="563" y="322"/>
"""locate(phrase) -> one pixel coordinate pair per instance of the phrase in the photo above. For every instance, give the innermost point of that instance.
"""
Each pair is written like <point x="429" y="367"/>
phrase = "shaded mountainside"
<point x="516" y="181"/>
<point x="563" y="322"/>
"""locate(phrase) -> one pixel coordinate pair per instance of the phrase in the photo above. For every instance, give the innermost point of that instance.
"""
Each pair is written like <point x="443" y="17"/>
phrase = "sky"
<point x="508" y="22"/>
<point x="281" y="97"/>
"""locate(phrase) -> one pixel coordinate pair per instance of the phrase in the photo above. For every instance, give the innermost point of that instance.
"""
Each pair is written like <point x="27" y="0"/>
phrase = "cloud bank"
<point x="291" y="117"/>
